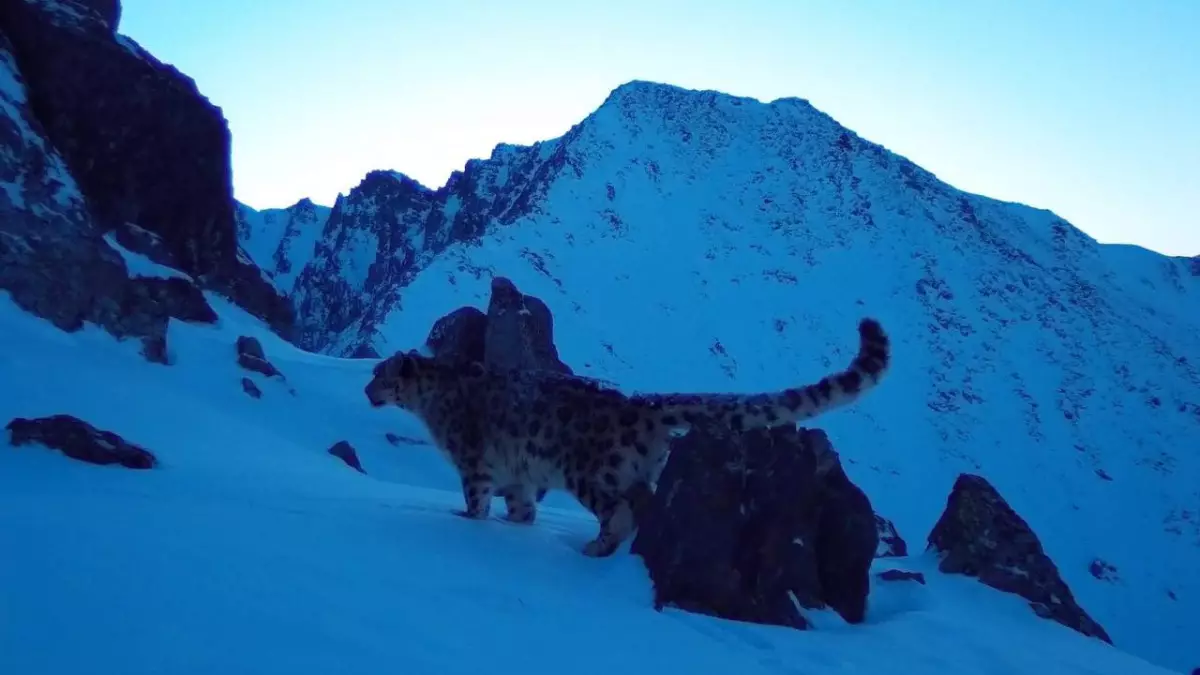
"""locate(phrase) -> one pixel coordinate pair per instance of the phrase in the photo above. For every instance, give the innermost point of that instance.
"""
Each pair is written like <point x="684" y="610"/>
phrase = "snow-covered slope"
<point x="692" y="241"/>
<point x="252" y="550"/>
<point x="281" y="241"/>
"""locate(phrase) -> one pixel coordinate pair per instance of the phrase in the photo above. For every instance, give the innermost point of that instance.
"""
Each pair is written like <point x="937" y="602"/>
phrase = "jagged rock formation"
<point x="695" y="241"/>
<point x="516" y="332"/>
<point x="346" y="452"/>
<point x="281" y="241"/>
<point x="121" y="140"/>
<point x="980" y="535"/>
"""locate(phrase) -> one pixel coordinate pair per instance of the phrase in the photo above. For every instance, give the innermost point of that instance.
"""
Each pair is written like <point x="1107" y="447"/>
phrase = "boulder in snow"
<point x="250" y="388"/>
<point x="79" y="440"/>
<point x="980" y="535"/>
<point x="345" y="452"/>
<point x="742" y="523"/>
<point x="250" y="356"/>
<point x="891" y="544"/>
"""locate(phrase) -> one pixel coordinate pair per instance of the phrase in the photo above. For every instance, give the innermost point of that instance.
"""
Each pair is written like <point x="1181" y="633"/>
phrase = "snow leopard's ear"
<point x="475" y="369"/>
<point x="398" y="365"/>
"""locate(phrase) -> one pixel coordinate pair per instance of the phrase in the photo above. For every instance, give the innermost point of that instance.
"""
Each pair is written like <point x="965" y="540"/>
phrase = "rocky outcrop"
<point x="459" y="336"/>
<point x="520" y="331"/>
<point x="891" y="544"/>
<point x="79" y="440"/>
<point x="742" y="523"/>
<point x="389" y="227"/>
<point x="980" y="535"/>
<point x="516" y="332"/>
<point x="345" y="452"/>
<point x="139" y="143"/>
<point x="54" y="262"/>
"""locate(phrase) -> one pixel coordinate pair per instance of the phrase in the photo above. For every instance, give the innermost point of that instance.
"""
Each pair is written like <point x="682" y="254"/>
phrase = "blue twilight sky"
<point x="1090" y="108"/>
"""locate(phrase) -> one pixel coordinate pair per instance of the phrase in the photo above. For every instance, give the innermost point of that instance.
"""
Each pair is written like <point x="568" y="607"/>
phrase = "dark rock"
<point x="520" y="331"/>
<point x="251" y="357"/>
<point x="891" y="544"/>
<point x="79" y="440"/>
<point x="345" y="452"/>
<point x="459" y="336"/>
<point x="741" y="523"/>
<point x="107" y="11"/>
<point x="397" y="440"/>
<point x="1103" y="570"/>
<point x="980" y="535"/>
<point x="250" y="388"/>
<point x="902" y="575"/>
<point x="138" y="138"/>
<point x="175" y="297"/>
<point x="363" y="351"/>
<point x="516" y="332"/>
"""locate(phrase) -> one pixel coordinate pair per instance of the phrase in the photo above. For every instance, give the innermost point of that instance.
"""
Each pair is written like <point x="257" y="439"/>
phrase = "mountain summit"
<point x="692" y="240"/>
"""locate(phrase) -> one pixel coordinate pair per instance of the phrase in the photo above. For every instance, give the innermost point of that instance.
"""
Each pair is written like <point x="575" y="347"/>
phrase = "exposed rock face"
<point x="389" y="227"/>
<point x="53" y="261"/>
<point x="741" y="523"/>
<point x="140" y="142"/>
<point x="345" y="452"/>
<point x="79" y="440"/>
<point x="981" y="536"/>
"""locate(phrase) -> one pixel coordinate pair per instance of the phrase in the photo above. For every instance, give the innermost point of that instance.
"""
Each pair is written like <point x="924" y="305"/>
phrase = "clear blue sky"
<point x="1090" y="108"/>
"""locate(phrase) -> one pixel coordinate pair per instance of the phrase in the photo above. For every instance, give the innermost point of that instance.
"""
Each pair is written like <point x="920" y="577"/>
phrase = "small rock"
<point x="902" y="575"/>
<point x="345" y="452"/>
<point x="398" y="440"/>
<point x="251" y="357"/>
<point x="79" y="440"/>
<point x="891" y="544"/>
<point x="980" y="535"/>
<point x="250" y="388"/>
<point x="1103" y="570"/>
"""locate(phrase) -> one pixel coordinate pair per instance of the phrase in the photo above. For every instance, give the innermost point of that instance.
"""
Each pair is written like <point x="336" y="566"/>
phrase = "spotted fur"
<point x="515" y="433"/>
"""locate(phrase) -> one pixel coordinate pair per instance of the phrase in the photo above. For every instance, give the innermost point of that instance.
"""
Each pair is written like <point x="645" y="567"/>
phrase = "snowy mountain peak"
<point x="696" y="241"/>
<point x="281" y="241"/>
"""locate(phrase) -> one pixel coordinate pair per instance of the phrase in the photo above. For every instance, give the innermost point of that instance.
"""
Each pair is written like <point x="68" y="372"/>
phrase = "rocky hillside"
<point x="105" y="149"/>
<point x="281" y="241"/>
<point x="692" y="241"/>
